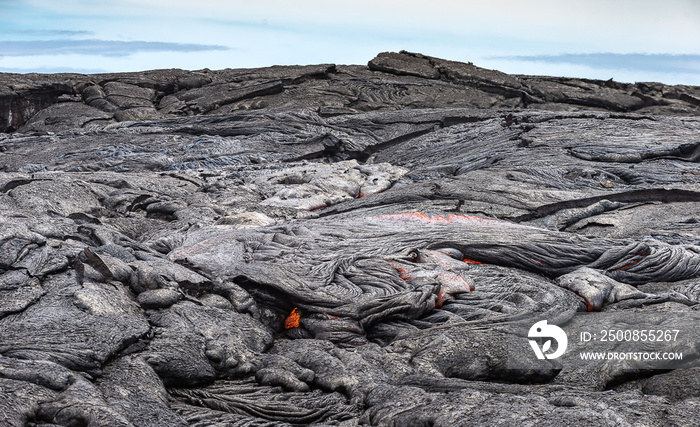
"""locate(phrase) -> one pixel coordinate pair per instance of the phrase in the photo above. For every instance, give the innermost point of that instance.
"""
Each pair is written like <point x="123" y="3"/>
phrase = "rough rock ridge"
<point x="341" y="245"/>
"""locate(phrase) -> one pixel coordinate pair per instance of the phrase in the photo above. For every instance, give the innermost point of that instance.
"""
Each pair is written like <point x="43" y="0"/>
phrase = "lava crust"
<point x="341" y="245"/>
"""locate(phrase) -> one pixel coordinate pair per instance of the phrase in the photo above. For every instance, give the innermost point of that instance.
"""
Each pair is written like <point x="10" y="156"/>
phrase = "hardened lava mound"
<point x="340" y="245"/>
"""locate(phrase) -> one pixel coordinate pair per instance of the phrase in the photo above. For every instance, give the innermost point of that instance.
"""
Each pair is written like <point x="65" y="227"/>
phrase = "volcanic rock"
<point x="343" y="245"/>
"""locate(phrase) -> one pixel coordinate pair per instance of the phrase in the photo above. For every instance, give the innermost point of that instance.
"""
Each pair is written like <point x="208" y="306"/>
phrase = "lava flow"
<point x="292" y="321"/>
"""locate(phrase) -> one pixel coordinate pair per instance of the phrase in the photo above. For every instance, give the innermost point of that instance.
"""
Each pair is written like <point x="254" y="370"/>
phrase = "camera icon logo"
<point x="542" y="330"/>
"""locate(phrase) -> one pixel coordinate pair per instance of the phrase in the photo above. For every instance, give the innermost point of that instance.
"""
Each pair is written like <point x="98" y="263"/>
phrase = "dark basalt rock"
<point x="340" y="245"/>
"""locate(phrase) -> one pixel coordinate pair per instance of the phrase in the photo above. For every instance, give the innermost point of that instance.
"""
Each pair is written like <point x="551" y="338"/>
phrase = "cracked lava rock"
<point x="340" y="245"/>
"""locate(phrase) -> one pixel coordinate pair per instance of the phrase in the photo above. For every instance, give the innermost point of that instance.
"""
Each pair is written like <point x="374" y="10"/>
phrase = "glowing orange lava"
<point x="632" y="263"/>
<point x="402" y="272"/>
<point x="471" y="261"/>
<point x="292" y="320"/>
<point x="641" y="256"/>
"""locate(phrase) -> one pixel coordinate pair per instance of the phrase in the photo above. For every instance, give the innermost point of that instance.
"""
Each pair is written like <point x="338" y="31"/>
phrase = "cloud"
<point x="48" y="33"/>
<point x="97" y="47"/>
<point x="53" y="70"/>
<point x="659" y="62"/>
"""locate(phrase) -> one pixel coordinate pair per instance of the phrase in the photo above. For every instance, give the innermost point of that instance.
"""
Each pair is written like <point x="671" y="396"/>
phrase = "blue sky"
<point x="640" y="40"/>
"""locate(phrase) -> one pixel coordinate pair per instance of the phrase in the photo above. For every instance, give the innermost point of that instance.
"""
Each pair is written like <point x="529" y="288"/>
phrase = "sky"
<point x="627" y="40"/>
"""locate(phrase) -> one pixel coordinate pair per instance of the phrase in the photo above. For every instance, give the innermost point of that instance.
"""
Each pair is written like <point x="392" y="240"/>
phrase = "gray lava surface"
<point x="340" y="245"/>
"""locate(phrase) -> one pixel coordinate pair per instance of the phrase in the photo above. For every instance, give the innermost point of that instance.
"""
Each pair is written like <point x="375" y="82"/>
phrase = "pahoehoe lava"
<point x="339" y="245"/>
